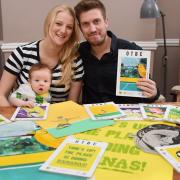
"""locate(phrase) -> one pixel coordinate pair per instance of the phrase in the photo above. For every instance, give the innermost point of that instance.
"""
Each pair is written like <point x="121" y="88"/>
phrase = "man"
<point x="100" y="55"/>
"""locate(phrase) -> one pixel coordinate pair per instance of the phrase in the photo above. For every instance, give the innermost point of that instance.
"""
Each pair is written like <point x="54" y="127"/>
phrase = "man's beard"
<point x="98" y="43"/>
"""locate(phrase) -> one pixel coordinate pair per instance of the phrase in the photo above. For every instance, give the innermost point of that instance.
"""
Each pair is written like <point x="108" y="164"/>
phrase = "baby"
<point x="37" y="88"/>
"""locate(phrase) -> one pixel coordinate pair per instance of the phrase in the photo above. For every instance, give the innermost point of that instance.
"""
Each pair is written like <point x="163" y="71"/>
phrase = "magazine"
<point x="173" y="114"/>
<point x="3" y="120"/>
<point x="153" y="111"/>
<point x="132" y="65"/>
<point x="38" y="112"/>
<point x="108" y="110"/>
<point x="171" y="154"/>
<point x="132" y="112"/>
<point x="75" y="157"/>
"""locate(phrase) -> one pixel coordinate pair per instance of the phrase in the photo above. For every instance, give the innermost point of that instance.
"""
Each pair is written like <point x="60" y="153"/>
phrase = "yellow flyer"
<point x="100" y="111"/>
<point x="75" y="157"/>
<point x="122" y="159"/>
<point x="171" y="154"/>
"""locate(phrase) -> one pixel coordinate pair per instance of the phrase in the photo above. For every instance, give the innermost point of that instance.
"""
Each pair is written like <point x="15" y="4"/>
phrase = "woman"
<point x="58" y="50"/>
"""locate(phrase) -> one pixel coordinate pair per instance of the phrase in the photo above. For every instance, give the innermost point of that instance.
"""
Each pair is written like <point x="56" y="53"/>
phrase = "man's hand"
<point x="148" y="87"/>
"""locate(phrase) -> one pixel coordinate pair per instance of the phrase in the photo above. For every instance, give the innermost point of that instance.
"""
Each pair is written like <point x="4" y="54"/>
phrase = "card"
<point x="108" y="110"/>
<point x="171" y="154"/>
<point x="173" y="114"/>
<point x="153" y="111"/>
<point x="132" y="65"/>
<point x="132" y="112"/>
<point x="38" y="112"/>
<point x="75" y="157"/>
<point x="3" y="120"/>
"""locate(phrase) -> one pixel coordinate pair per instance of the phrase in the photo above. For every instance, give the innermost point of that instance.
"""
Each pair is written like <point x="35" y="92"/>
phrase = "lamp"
<point x="150" y="9"/>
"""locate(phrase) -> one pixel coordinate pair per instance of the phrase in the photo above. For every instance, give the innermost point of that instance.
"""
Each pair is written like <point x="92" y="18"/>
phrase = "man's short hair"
<point x="86" y="5"/>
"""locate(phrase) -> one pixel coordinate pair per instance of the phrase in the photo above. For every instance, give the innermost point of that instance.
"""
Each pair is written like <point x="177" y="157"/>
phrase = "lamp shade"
<point x="149" y="9"/>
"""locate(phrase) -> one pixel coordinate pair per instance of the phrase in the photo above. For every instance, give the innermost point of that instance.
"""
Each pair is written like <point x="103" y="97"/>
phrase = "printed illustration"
<point x="39" y="112"/>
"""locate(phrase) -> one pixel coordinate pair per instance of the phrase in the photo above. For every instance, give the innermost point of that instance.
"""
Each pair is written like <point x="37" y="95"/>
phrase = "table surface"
<point x="8" y="111"/>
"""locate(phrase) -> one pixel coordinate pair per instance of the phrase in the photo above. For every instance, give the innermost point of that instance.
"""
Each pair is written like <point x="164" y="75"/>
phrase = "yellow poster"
<point x="122" y="159"/>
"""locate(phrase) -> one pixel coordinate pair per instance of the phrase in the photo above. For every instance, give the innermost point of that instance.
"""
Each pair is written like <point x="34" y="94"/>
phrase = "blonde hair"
<point x="69" y="51"/>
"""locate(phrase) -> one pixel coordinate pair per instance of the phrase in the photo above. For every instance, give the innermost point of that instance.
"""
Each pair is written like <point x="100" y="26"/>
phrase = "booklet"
<point x="75" y="157"/>
<point x="132" y="65"/>
<point x="3" y="120"/>
<point x="108" y="110"/>
<point x="173" y="114"/>
<point x="38" y="112"/>
<point x="153" y="111"/>
<point x="171" y="154"/>
<point x="132" y="112"/>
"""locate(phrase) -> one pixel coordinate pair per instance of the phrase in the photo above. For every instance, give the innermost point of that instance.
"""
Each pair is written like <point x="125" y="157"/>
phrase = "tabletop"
<point x="8" y="111"/>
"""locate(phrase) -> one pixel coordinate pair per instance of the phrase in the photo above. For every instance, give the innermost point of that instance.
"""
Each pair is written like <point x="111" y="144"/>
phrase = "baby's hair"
<point x="39" y="66"/>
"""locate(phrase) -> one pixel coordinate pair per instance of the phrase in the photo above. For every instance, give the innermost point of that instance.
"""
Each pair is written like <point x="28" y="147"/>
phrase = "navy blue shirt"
<point x="100" y="75"/>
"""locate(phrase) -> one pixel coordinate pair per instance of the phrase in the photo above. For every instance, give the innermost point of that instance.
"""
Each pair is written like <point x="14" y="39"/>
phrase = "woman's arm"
<point x="6" y="85"/>
<point x="75" y="91"/>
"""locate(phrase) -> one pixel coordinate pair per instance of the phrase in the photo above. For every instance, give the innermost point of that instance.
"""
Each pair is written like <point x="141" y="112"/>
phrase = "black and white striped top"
<point x="23" y="57"/>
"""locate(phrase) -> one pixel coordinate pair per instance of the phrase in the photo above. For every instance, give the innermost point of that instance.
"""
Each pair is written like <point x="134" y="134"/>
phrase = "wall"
<point x="1" y="38"/>
<point x="171" y="9"/>
<point x="23" y="19"/>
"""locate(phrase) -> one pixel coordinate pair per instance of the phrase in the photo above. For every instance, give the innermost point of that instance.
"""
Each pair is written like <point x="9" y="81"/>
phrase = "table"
<point x="8" y="111"/>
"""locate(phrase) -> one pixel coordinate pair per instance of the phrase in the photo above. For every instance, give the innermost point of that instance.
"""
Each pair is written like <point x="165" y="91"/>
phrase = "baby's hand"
<point x="28" y="104"/>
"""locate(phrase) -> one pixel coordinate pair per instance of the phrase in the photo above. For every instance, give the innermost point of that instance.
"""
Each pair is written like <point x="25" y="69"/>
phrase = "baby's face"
<point x="40" y="81"/>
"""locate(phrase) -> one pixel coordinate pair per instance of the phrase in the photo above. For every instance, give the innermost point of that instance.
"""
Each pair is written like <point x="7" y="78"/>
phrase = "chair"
<point x="175" y="91"/>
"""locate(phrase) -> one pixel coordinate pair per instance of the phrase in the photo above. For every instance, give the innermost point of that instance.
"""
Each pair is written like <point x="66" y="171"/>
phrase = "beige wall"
<point x="23" y="19"/>
<point x="171" y="9"/>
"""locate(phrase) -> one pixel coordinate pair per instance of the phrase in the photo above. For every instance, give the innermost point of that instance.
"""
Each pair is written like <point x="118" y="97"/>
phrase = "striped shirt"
<point x="23" y="57"/>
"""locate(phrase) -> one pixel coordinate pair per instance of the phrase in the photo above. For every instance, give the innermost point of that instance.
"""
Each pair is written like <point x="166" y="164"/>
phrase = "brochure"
<point x="3" y="120"/>
<point x="132" y="65"/>
<point x="108" y="110"/>
<point x="153" y="111"/>
<point x="132" y="112"/>
<point x="38" y="112"/>
<point x="173" y="114"/>
<point x="171" y="154"/>
<point x="75" y="157"/>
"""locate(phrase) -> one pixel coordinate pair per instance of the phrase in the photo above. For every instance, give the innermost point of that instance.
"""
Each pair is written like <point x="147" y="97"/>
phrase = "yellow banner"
<point x="122" y="159"/>
<point x="126" y="79"/>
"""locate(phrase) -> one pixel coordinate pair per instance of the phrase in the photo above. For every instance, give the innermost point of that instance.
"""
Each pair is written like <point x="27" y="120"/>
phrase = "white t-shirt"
<point x="26" y="93"/>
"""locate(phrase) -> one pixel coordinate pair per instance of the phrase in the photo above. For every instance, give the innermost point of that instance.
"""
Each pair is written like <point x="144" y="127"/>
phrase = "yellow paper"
<point x="43" y="137"/>
<point x="63" y="113"/>
<point x="103" y="109"/>
<point x="24" y="158"/>
<point x="122" y="159"/>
